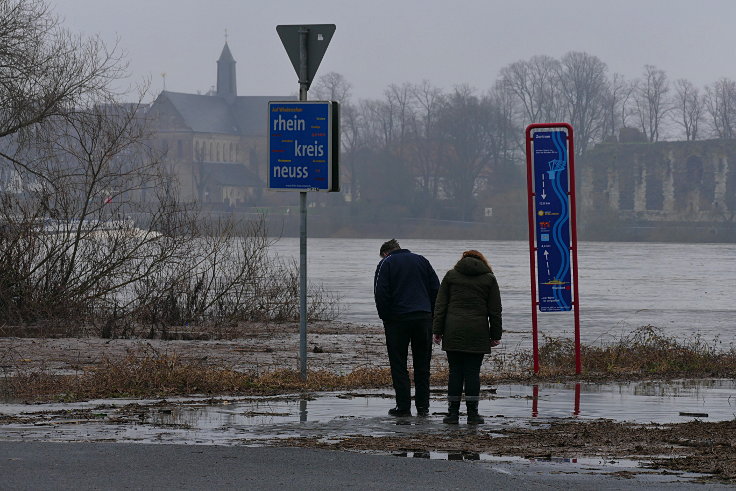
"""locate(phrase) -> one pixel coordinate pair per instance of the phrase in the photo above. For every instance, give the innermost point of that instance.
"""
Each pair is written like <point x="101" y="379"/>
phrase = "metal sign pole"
<point x="303" y="88"/>
<point x="532" y="253"/>
<point x="305" y="55"/>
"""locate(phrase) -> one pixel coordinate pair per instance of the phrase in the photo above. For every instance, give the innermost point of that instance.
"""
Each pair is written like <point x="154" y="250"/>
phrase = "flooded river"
<point x="684" y="289"/>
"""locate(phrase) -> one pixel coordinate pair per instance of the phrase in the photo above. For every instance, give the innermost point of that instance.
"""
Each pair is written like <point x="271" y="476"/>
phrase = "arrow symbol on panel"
<point x="544" y="193"/>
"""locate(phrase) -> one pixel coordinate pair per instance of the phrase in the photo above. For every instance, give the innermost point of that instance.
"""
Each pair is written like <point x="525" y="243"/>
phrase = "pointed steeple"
<point x="226" y="86"/>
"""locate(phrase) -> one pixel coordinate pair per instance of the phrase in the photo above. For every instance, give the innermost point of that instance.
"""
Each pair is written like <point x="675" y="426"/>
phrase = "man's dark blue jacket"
<point x="404" y="283"/>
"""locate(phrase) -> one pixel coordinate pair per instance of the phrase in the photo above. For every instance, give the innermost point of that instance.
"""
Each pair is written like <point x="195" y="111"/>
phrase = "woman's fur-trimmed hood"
<point x="472" y="266"/>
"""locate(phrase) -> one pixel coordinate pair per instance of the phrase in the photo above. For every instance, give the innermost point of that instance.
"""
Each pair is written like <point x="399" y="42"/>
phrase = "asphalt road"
<point x="113" y="466"/>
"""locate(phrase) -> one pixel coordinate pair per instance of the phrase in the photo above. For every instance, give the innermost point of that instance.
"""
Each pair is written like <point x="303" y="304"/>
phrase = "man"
<point x="405" y="288"/>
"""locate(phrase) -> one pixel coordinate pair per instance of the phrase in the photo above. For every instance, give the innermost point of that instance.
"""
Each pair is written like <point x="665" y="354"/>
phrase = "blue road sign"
<point x="552" y="219"/>
<point x="300" y="145"/>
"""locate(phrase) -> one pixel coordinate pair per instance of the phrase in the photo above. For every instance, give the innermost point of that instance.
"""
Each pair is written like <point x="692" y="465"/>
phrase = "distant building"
<point x="643" y="186"/>
<point x="215" y="143"/>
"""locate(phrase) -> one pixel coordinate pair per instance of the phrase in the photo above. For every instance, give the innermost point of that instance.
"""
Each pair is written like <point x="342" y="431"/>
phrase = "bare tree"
<point x="533" y="82"/>
<point x="616" y="105"/>
<point x="688" y="108"/>
<point x="399" y="106"/>
<point x="508" y="138"/>
<point x="720" y="103"/>
<point x="424" y="154"/>
<point x="378" y="126"/>
<point x="72" y="242"/>
<point x="466" y="132"/>
<point x="651" y="102"/>
<point x="45" y="70"/>
<point x="583" y="84"/>
<point x="332" y="86"/>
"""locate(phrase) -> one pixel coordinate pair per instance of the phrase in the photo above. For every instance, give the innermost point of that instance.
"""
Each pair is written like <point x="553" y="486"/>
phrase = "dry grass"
<point x="155" y="375"/>
<point x="644" y="354"/>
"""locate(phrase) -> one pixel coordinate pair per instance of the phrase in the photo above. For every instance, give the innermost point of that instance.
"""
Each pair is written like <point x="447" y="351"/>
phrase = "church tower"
<point x="226" y="86"/>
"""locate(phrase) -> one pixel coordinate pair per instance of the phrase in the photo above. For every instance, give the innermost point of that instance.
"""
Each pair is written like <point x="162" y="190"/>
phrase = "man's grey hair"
<point x="389" y="246"/>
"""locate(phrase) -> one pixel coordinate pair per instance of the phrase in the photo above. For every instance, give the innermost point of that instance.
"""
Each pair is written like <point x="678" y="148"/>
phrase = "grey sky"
<point x="379" y="42"/>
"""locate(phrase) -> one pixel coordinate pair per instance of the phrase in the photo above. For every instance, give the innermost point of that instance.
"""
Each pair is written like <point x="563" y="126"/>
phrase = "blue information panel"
<point x="552" y="219"/>
<point x="300" y="145"/>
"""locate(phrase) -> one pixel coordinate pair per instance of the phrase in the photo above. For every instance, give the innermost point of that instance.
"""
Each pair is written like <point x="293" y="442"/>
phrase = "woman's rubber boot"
<point x="473" y="417"/>
<point x="453" y="413"/>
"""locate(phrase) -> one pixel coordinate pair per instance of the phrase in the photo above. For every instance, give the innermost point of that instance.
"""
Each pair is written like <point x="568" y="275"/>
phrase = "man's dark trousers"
<point x="413" y="329"/>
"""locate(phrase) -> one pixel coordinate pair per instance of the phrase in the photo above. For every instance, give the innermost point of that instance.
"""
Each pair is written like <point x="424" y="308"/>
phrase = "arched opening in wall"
<point x="694" y="171"/>
<point x="654" y="189"/>
<point x="686" y="179"/>
<point x="626" y="188"/>
<point x="707" y="188"/>
<point x="730" y="196"/>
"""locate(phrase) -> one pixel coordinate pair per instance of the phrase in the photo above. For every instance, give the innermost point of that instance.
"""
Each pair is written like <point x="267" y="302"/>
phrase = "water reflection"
<point x="535" y="401"/>
<point x="644" y="402"/>
<point x="332" y="414"/>
<point x="465" y="455"/>
<point x="423" y="454"/>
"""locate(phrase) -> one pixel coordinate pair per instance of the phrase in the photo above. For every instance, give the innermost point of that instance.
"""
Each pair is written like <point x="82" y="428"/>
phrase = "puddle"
<point x="256" y="420"/>
<point x="474" y="456"/>
<point x="639" y="402"/>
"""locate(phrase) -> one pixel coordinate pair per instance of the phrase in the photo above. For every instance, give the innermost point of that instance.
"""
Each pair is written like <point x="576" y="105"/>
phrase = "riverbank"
<point x="233" y="369"/>
<point x="337" y="350"/>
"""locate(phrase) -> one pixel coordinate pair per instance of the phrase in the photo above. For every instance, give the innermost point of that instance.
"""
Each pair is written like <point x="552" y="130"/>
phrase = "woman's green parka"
<point x="468" y="308"/>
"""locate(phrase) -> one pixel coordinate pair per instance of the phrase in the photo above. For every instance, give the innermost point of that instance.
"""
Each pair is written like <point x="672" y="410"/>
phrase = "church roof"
<point x="246" y="115"/>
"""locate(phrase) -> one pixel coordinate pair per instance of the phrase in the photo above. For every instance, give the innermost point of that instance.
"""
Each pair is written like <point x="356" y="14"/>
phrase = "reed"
<point x="644" y="352"/>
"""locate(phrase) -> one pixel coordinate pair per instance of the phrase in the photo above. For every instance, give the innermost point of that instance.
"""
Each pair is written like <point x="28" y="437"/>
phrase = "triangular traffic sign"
<point x="318" y="38"/>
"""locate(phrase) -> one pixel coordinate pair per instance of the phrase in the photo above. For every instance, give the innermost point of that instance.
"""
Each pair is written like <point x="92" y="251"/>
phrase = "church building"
<point x="215" y="143"/>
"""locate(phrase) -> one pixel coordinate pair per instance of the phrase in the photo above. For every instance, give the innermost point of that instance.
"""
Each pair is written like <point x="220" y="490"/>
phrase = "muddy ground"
<point x="703" y="447"/>
<point x="337" y="347"/>
<point x="708" y="448"/>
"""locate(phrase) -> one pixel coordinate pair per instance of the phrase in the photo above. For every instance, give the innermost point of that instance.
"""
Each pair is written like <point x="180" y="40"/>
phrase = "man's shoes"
<point x="423" y="411"/>
<point x="399" y="413"/>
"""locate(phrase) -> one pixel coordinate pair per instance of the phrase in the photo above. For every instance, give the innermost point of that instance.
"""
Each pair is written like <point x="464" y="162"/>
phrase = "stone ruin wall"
<point x="691" y="182"/>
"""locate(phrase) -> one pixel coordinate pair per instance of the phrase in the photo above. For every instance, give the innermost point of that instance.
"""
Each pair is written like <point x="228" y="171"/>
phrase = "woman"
<point x="467" y="321"/>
